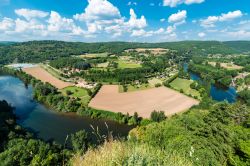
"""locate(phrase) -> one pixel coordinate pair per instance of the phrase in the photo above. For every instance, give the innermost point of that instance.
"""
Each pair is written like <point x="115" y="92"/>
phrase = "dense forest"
<point x="37" y="51"/>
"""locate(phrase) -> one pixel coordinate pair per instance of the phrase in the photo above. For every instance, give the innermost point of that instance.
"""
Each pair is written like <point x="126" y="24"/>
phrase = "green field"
<point x="94" y="55"/>
<point x="184" y="84"/>
<point x="77" y="93"/>
<point x="132" y="88"/>
<point x="126" y="64"/>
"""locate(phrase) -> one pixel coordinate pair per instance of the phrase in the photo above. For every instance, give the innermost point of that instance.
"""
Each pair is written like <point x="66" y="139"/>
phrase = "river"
<point x="217" y="92"/>
<point x="48" y="124"/>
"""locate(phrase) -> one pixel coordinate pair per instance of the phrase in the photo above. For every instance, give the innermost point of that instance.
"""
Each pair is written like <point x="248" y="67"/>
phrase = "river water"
<point x="48" y="124"/>
<point x="217" y="92"/>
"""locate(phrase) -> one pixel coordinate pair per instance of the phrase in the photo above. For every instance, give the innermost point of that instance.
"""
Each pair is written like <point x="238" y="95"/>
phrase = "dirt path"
<point x="143" y="102"/>
<point x="44" y="76"/>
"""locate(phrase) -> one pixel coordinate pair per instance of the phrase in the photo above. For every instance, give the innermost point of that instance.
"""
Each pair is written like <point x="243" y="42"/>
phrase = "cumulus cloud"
<point x="201" y="34"/>
<point x="211" y="20"/>
<point x="134" y="22"/>
<point x="25" y="26"/>
<point x="99" y="10"/>
<point x="29" y="14"/>
<point x="6" y="24"/>
<point x="57" y="23"/>
<point x="178" y="17"/>
<point x="102" y="16"/>
<point x="174" y="3"/>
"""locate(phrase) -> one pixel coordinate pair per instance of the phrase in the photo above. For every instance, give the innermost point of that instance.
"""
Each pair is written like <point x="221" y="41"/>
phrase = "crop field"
<point x="103" y="65"/>
<point x="94" y="55"/>
<point x="77" y="92"/>
<point x="229" y="66"/>
<point x="126" y="64"/>
<point x="184" y="84"/>
<point x="143" y="102"/>
<point x="41" y="74"/>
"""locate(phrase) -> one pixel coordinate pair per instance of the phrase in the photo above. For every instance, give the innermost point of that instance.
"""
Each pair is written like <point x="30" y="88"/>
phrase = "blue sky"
<point x="124" y="20"/>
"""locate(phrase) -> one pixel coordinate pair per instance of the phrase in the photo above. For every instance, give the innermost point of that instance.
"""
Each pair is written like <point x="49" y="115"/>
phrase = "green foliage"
<point x="207" y="137"/>
<point x="208" y="72"/>
<point x="18" y="147"/>
<point x="80" y="141"/>
<point x="157" y="116"/>
<point x="245" y="96"/>
<point x="37" y="51"/>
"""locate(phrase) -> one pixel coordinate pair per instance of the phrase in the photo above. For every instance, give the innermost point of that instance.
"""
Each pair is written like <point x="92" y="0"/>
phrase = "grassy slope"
<point x="130" y="154"/>
<point x="184" y="84"/>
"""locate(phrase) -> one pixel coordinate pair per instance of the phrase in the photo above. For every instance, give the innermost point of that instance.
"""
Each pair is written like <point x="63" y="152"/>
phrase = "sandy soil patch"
<point x="44" y="76"/>
<point x="143" y="102"/>
<point x="154" y="51"/>
<point x="229" y="66"/>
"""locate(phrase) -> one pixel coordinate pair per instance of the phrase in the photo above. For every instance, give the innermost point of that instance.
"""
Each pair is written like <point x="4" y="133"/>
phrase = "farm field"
<point x="94" y="55"/>
<point x="228" y="66"/>
<point x="126" y="64"/>
<point x="103" y="65"/>
<point x="142" y="102"/>
<point x="77" y="92"/>
<point x="41" y="74"/>
<point x="184" y="84"/>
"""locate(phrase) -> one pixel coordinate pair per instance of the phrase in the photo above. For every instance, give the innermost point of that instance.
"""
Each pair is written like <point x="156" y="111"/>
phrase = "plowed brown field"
<point x="143" y="102"/>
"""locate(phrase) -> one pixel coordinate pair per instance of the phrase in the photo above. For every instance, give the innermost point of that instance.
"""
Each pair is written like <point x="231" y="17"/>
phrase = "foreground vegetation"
<point x="215" y="134"/>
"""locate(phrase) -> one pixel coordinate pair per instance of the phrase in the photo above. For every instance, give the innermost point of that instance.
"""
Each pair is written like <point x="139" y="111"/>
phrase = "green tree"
<point x="157" y="116"/>
<point x="80" y="141"/>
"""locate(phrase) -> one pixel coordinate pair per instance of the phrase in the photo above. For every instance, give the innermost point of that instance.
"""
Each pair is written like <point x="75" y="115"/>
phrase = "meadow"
<point x="180" y="84"/>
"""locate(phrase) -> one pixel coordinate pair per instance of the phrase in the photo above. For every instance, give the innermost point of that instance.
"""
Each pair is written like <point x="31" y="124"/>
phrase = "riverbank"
<point x="48" y="124"/>
<point x="51" y="97"/>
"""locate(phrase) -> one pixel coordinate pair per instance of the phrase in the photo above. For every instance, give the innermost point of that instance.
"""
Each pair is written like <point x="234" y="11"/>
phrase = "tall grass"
<point x="128" y="154"/>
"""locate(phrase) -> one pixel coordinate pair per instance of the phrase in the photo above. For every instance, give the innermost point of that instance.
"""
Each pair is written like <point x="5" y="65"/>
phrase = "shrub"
<point x="157" y="116"/>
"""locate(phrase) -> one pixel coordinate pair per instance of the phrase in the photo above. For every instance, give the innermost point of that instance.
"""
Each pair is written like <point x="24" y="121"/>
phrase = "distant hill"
<point x="242" y="46"/>
<point x="7" y="42"/>
<point x="37" y="51"/>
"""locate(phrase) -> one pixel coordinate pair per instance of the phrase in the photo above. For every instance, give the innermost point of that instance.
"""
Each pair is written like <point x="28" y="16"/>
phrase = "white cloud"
<point x="99" y="10"/>
<point x="174" y="3"/>
<point x="230" y="15"/>
<point x="140" y="32"/>
<point x="29" y="14"/>
<point x="178" y="17"/>
<point x="56" y="23"/>
<point x="6" y="24"/>
<point x="101" y="15"/>
<point x="28" y="26"/>
<point x="201" y="34"/>
<point x="211" y="20"/>
<point x="134" y="22"/>
<point x="241" y="34"/>
<point x="162" y="20"/>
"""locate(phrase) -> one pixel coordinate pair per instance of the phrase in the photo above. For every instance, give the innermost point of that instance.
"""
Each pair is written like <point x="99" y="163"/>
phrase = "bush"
<point x="157" y="85"/>
<point x="157" y="116"/>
